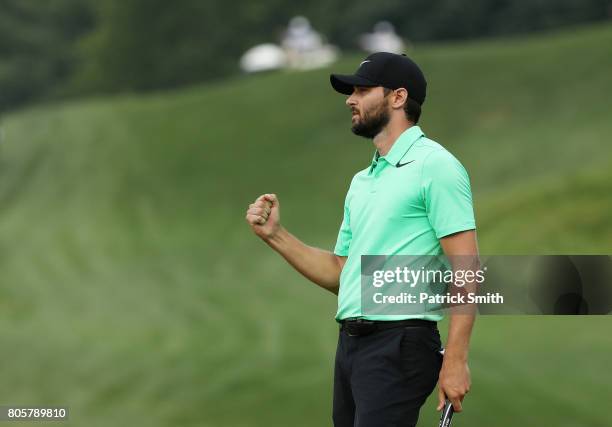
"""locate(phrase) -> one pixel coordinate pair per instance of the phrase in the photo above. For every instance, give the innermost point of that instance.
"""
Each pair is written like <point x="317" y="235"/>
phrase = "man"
<point x="413" y="199"/>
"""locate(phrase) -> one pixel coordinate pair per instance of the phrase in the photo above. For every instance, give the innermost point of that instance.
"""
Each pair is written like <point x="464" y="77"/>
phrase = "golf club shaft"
<point x="447" y="415"/>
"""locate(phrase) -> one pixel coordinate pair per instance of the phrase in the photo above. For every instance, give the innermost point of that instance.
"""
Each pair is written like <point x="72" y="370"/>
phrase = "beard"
<point x="373" y="122"/>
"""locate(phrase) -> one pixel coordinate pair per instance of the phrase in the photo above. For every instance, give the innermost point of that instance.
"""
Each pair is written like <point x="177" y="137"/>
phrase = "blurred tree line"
<point x="37" y="47"/>
<point x="59" y="48"/>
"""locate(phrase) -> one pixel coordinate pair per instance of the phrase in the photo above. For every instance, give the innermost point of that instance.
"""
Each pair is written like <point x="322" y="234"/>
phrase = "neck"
<point x="387" y="137"/>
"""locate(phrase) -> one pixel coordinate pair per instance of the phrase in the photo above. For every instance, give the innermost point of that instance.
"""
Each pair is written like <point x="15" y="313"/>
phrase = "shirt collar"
<point x="402" y="144"/>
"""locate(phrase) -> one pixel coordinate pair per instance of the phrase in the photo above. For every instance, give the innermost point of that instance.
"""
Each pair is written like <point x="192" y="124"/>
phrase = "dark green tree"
<point x="36" y="47"/>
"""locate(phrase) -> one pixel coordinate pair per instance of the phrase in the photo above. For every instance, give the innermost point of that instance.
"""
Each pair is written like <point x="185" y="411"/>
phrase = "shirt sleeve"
<point x="445" y="187"/>
<point x="344" y="235"/>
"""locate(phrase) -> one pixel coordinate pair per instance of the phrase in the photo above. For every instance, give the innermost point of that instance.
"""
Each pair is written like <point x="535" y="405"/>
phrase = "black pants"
<point x="383" y="379"/>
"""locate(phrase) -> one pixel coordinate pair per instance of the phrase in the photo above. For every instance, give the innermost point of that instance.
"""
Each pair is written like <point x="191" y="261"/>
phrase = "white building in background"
<point x="301" y="48"/>
<point x="382" y="39"/>
<point x="305" y="47"/>
<point x="301" y="37"/>
<point x="263" y="57"/>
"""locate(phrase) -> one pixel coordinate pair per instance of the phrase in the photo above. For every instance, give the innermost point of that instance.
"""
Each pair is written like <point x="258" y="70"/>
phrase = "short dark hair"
<point x="412" y="109"/>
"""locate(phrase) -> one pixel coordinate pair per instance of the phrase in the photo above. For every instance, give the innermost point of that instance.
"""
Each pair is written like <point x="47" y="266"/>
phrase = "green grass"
<point x="134" y="293"/>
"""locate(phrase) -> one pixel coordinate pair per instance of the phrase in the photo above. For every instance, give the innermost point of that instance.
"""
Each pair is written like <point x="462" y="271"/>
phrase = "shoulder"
<point x="356" y="178"/>
<point x="438" y="163"/>
<point x="429" y="150"/>
<point x="435" y="156"/>
<point x="362" y="173"/>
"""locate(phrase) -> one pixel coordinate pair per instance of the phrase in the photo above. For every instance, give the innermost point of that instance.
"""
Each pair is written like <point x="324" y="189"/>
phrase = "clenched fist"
<point x="264" y="216"/>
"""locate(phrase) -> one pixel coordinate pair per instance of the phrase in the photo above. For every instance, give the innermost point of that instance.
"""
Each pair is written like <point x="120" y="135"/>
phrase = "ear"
<point x="399" y="98"/>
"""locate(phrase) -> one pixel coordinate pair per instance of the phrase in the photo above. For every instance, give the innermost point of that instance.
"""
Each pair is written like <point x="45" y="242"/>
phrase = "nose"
<point x="350" y="101"/>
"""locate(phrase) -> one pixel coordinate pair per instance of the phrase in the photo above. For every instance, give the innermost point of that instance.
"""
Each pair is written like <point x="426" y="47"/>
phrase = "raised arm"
<point x="319" y="266"/>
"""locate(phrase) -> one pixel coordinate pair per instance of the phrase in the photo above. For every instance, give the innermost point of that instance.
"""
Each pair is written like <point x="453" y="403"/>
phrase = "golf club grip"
<point x="447" y="415"/>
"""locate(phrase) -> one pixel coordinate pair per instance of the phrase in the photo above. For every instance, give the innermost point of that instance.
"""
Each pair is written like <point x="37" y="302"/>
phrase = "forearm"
<point x="461" y="316"/>
<point x="459" y="332"/>
<point x="462" y="251"/>
<point x="319" y="266"/>
<point x="454" y="381"/>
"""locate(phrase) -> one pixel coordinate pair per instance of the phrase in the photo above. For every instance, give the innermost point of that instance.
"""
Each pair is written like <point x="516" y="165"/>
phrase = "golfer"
<point x="414" y="198"/>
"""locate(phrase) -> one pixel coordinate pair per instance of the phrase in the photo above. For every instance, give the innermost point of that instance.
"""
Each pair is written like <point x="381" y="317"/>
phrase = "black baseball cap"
<point x="385" y="69"/>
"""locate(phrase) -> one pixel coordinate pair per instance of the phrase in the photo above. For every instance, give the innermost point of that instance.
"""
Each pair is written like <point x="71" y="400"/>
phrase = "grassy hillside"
<point x="134" y="293"/>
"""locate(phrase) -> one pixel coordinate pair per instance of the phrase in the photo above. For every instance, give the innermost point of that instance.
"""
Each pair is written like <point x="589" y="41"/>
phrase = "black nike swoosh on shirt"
<point x="399" y="165"/>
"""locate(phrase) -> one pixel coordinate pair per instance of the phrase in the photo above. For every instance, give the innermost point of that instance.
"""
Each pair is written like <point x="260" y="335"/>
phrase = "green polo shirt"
<point x="402" y="204"/>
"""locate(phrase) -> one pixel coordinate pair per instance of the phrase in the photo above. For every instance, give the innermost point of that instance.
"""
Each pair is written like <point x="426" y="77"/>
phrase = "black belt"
<point x="360" y="327"/>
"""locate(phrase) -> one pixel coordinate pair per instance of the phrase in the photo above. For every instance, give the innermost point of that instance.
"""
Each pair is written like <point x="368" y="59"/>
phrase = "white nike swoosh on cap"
<point x="367" y="60"/>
